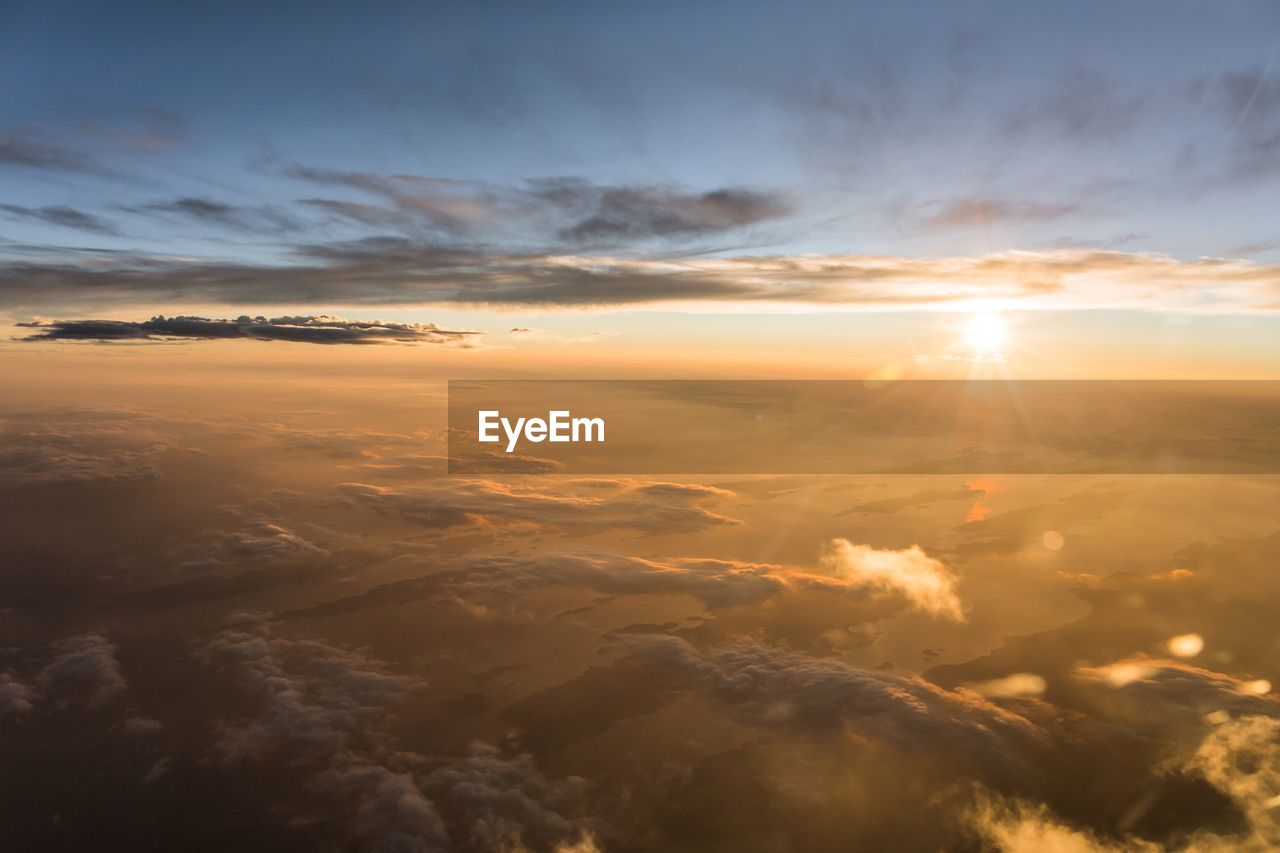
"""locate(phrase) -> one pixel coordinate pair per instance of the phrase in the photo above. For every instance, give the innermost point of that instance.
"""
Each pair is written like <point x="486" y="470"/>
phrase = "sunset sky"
<point x="607" y="177"/>
<point x="244" y="604"/>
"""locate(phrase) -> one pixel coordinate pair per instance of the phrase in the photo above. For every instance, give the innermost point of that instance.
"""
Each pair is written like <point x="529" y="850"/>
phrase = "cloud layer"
<point x="394" y="270"/>
<point x="309" y="330"/>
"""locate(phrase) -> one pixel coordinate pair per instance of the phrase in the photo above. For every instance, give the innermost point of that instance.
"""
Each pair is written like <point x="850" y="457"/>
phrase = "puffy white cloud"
<point x="924" y="581"/>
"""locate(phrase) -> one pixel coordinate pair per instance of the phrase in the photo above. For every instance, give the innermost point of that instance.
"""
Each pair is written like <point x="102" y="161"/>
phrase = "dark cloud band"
<point x="309" y="330"/>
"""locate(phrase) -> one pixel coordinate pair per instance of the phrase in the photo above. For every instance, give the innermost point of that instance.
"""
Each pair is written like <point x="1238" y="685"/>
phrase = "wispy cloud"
<point x="204" y="211"/>
<point x="397" y="271"/>
<point x="34" y="151"/>
<point x="965" y="212"/>
<point x="61" y="214"/>
<point x="572" y="210"/>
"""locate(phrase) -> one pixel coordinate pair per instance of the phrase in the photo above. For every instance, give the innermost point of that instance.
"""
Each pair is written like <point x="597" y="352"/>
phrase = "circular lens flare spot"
<point x="1186" y="645"/>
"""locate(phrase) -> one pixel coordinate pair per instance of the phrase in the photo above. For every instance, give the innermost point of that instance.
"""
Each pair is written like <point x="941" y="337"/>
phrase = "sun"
<point x="986" y="333"/>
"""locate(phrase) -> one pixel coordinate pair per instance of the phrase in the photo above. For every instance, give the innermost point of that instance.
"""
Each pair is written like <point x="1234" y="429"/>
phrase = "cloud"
<point x="259" y="540"/>
<point x="569" y="209"/>
<point x="310" y="330"/>
<point x="1016" y="684"/>
<point x="205" y="211"/>
<point x="143" y="726"/>
<point x="1083" y="105"/>
<point x="1154" y="693"/>
<point x="1241" y="758"/>
<point x="967" y="212"/>
<point x="508" y="579"/>
<point x="76" y="446"/>
<point x="31" y="150"/>
<point x="808" y="603"/>
<point x="924" y="581"/>
<point x="317" y="698"/>
<point x="15" y="696"/>
<point x="774" y="687"/>
<point x="612" y="214"/>
<point x="1013" y="826"/>
<point x="498" y="802"/>
<point x="86" y="669"/>
<point x="67" y="217"/>
<point x="349" y="442"/>
<point x="653" y="508"/>
<point x="409" y="201"/>
<point x="399" y="271"/>
<point x="717" y="583"/>
<point x="390" y="812"/>
<point x="326" y="710"/>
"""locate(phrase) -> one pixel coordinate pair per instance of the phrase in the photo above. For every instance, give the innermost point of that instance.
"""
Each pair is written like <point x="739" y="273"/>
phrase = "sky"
<point x="582" y="164"/>
<point x="245" y="248"/>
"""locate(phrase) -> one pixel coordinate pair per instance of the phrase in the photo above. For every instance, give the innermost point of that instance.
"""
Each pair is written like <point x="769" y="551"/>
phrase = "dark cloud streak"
<point x="61" y="214"/>
<point x="310" y="330"/>
<point x="32" y="152"/>
<point x="210" y="212"/>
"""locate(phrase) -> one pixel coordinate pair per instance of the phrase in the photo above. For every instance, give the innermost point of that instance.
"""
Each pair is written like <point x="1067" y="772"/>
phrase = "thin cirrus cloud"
<point x="310" y="330"/>
<point x="397" y="271"/>
<point x="572" y="210"/>
<point x="62" y="215"/>
<point x="33" y="151"/>
<point x="209" y="212"/>
<point x="966" y="212"/>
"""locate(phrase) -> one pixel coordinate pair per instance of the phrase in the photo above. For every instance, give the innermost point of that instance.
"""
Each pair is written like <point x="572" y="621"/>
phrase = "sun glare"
<point x="986" y="333"/>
